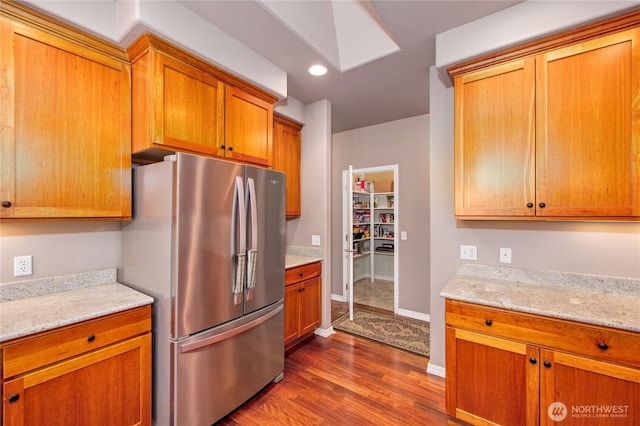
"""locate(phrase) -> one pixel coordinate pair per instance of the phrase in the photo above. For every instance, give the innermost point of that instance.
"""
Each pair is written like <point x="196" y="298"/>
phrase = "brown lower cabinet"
<point x="507" y="368"/>
<point x="94" y="372"/>
<point x="301" y="303"/>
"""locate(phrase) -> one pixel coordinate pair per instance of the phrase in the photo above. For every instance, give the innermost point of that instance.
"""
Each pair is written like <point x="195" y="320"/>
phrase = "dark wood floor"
<point x="347" y="380"/>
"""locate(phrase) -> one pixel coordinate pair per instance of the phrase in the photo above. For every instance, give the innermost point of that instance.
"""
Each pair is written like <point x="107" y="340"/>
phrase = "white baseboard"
<point x="435" y="370"/>
<point x="324" y="332"/>
<point x="338" y="298"/>
<point x="415" y="315"/>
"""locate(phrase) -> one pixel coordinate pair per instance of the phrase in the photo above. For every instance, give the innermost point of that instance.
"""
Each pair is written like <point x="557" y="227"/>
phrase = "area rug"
<point x="402" y="333"/>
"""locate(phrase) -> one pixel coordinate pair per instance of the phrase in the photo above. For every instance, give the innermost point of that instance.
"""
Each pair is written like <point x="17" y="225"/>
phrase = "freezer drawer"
<point x="218" y="370"/>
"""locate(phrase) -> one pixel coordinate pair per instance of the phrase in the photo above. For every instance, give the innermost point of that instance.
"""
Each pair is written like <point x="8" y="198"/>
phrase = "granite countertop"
<point x="606" y="301"/>
<point x="33" y="306"/>
<point x="298" y="256"/>
<point x="293" y="260"/>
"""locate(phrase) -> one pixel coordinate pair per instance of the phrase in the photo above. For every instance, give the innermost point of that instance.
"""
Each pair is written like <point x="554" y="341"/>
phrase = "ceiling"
<point x="378" y="52"/>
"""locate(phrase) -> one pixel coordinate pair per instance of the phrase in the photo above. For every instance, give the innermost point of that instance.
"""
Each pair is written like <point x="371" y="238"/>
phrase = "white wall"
<point x="315" y="193"/>
<point x="403" y="142"/>
<point x="123" y="21"/>
<point x="515" y="25"/>
<point x="59" y="248"/>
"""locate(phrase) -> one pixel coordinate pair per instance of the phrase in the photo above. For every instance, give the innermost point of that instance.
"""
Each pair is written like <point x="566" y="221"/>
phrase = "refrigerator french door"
<point x="207" y="241"/>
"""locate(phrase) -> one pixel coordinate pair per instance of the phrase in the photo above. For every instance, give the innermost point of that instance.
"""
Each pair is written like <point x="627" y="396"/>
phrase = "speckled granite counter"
<point x="607" y="301"/>
<point x="293" y="260"/>
<point x="29" y="307"/>
<point x="298" y="256"/>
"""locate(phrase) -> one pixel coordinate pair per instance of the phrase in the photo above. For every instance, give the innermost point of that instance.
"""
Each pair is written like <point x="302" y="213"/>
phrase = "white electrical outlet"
<point x="315" y="240"/>
<point x="505" y="255"/>
<point x="469" y="252"/>
<point x="22" y="265"/>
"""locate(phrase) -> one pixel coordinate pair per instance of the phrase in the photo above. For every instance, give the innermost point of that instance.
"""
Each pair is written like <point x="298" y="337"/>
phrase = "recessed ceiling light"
<point x="317" y="70"/>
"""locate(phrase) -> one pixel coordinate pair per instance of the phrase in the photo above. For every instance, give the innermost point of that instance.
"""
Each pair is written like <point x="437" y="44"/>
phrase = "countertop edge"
<point x="500" y="294"/>
<point x="66" y="308"/>
<point x="293" y="261"/>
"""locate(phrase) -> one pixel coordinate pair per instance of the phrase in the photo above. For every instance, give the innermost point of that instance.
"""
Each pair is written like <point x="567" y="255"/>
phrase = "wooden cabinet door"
<point x="310" y="305"/>
<point x="291" y="313"/>
<point x="188" y="107"/>
<point x="491" y="379"/>
<point x="495" y="141"/>
<point x="588" y="128"/>
<point x="582" y="391"/>
<point x="110" y="386"/>
<point x="286" y="159"/>
<point x="66" y="127"/>
<point x="248" y="128"/>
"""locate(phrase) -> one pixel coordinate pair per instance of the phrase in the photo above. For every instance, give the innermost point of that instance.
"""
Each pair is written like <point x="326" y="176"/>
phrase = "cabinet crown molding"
<point x="151" y="42"/>
<point x="618" y="23"/>
<point x="23" y="14"/>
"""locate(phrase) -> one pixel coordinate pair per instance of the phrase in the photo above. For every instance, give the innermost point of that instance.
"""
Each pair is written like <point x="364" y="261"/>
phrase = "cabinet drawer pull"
<point x="530" y="205"/>
<point x="14" y="398"/>
<point x="603" y="346"/>
<point x="91" y="338"/>
<point x="6" y="204"/>
<point x="542" y="205"/>
<point x="300" y="274"/>
<point x="532" y="360"/>
<point x="547" y="364"/>
<point x="488" y="322"/>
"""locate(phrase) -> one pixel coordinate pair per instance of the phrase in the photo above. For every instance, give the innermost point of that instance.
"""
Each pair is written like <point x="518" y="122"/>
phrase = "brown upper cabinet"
<point x="248" y="128"/>
<point x="551" y="131"/>
<point x="181" y="103"/>
<point x="286" y="159"/>
<point x="66" y="121"/>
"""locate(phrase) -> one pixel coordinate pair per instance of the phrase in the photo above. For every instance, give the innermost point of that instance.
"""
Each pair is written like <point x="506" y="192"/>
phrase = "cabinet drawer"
<point x="593" y="341"/>
<point x="301" y="273"/>
<point x="30" y="353"/>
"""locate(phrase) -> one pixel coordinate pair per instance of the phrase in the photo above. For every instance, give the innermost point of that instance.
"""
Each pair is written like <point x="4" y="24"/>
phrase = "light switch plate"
<point x="505" y="255"/>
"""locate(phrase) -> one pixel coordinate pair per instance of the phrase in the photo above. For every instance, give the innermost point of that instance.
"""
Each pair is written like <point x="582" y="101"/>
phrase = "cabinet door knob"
<point x="14" y="398"/>
<point x="547" y="364"/>
<point x="91" y="338"/>
<point x="542" y="205"/>
<point x="223" y="147"/>
<point x="532" y="360"/>
<point x="6" y="204"/>
<point x="530" y="205"/>
<point x="603" y="346"/>
<point x="230" y="148"/>
<point x="489" y="323"/>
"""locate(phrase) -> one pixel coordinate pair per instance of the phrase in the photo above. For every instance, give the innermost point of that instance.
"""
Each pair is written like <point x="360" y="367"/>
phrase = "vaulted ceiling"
<point x="378" y="52"/>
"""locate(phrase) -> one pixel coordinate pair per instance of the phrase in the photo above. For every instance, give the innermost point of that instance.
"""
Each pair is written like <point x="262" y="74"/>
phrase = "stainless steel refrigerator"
<point x="207" y="242"/>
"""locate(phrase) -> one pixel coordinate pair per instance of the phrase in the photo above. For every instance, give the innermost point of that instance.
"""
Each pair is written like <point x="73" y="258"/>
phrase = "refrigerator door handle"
<point x="252" y="253"/>
<point x="241" y="260"/>
<point x="189" y="347"/>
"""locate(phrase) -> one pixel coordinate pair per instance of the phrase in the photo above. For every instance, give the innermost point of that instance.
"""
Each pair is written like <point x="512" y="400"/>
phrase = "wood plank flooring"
<point x="347" y="380"/>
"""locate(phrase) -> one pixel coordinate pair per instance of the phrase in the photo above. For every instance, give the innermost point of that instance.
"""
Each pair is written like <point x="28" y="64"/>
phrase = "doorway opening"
<point x="370" y="229"/>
